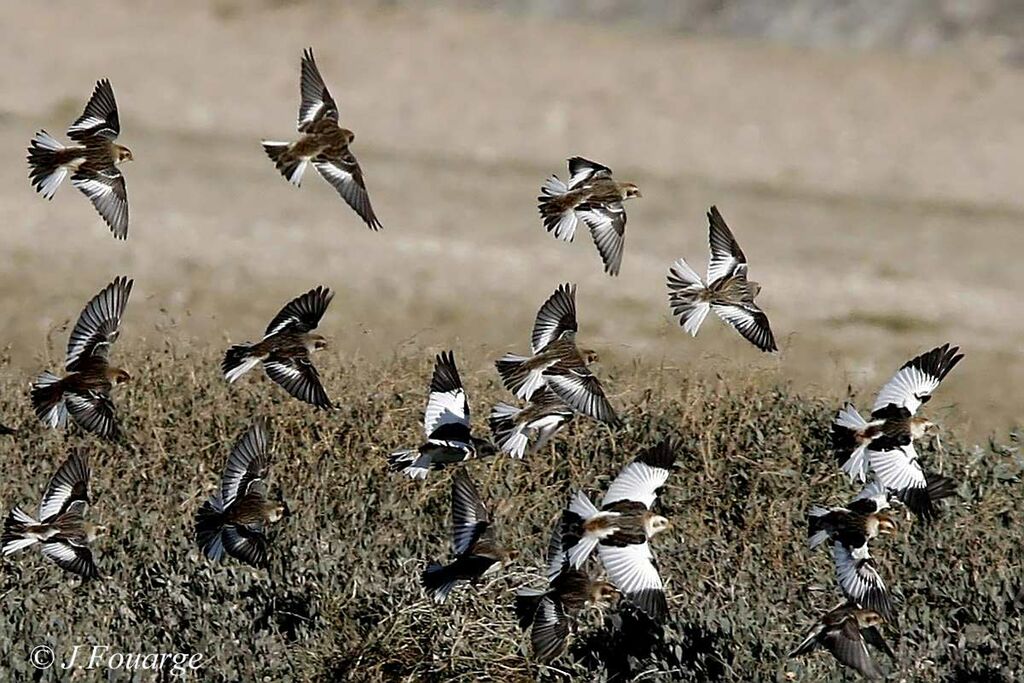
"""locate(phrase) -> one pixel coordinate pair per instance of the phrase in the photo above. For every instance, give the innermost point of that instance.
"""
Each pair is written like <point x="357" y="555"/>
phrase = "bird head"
<point x="279" y="508"/>
<point x="509" y="556"/>
<point x="629" y="190"/>
<point x="589" y="356"/>
<point x="867" y="618"/>
<point x="317" y="342"/>
<point x="124" y="154"/>
<point x="655" y="524"/>
<point x="886" y="524"/>
<point x="119" y="376"/>
<point x="94" y="531"/>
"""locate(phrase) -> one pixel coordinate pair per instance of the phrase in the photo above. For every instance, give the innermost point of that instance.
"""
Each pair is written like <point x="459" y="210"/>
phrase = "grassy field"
<point x="341" y="597"/>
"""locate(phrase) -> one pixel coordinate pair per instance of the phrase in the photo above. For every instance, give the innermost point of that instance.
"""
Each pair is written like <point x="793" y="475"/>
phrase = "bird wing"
<point x="751" y="322"/>
<point x="859" y="578"/>
<point x="93" y="411"/>
<point x="73" y="558"/>
<point x="106" y="190"/>
<point x="98" y="324"/>
<point x="641" y="479"/>
<point x="632" y="569"/>
<point x="846" y="644"/>
<point x="316" y="102"/>
<point x="69" y="484"/>
<point x="247" y="463"/>
<point x="607" y="223"/>
<point x="245" y="543"/>
<point x="470" y="521"/>
<point x="556" y="556"/>
<point x="343" y="173"/>
<point x="303" y="313"/>
<point x="913" y="384"/>
<point x="556" y="316"/>
<point x="550" y="632"/>
<point x="299" y="378"/>
<point x="581" y="391"/>
<point x="447" y="403"/>
<point x="99" y="119"/>
<point x="582" y="170"/>
<point x="897" y="469"/>
<point x="726" y="256"/>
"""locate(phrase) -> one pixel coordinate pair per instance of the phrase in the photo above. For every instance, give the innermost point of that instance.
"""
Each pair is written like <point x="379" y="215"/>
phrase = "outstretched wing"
<point x="100" y="116"/>
<point x="303" y="313"/>
<point x="859" y="578"/>
<point x="447" y="403"/>
<point x="557" y="315"/>
<point x="582" y="170"/>
<point x="69" y="484"/>
<point x="299" y="378"/>
<point x="343" y="173"/>
<point x="607" y="223"/>
<point x="247" y="463"/>
<point x="107" y="192"/>
<point x="632" y="570"/>
<point x="750" y="321"/>
<point x="641" y="479"/>
<point x="98" y="324"/>
<point x="470" y="520"/>
<point x="726" y="255"/>
<point x="914" y="383"/>
<point x="316" y="102"/>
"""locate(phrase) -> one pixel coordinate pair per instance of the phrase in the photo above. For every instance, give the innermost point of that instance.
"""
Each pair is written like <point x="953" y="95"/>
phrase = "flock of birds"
<point x="551" y="385"/>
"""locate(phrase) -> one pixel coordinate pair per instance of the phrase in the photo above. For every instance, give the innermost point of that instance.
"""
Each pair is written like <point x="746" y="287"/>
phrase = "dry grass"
<point x="341" y="599"/>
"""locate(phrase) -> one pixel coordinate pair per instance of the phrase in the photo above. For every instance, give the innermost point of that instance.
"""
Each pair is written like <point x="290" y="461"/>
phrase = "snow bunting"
<point x="324" y="143"/>
<point x="286" y="347"/>
<point x="620" y="530"/>
<point x="91" y="160"/>
<point x="84" y="392"/>
<point x="474" y="541"/>
<point x="845" y="632"/>
<point x="728" y="292"/>
<point x="595" y="197"/>
<point x="569" y="590"/>
<point x="515" y="428"/>
<point x="234" y="519"/>
<point x="61" y="531"/>
<point x="446" y="424"/>
<point x="557" y="362"/>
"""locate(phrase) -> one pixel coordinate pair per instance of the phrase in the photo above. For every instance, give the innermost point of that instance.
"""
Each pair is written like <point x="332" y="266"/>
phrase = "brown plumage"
<point x="92" y="161"/>
<point x="324" y="143"/>
<point x="845" y="632"/>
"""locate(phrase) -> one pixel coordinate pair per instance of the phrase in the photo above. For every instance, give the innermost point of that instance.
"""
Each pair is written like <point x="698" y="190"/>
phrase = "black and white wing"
<point x="581" y="391"/>
<point x="303" y="313"/>
<point x="300" y="378"/>
<point x="859" y="579"/>
<point x="897" y="469"/>
<point x="751" y="322"/>
<point x="640" y="480"/>
<point x="247" y="463"/>
<point x="93" y="411"/>
<point x="914" y="383"/>
<point x="872" y="498"/>
<point x="106" y="190"/>
<point x="726" y="256"/>
<point x="632" y="570"/>
<point x="98" y="324"/>
<point x="246" y="544"/>
<point x="69" y="485"/>
<point x="100" y="116"/>
<point x="447" y="404"/>
<point x="607" y="223"/>
<point x="581" y="170"/>
<point x="556" y="316"/>
<point x="343" y="173"/>
<point x="556" y="556"/>
<point x="470" y="520"/>
<point x="550" y="632"/>
<point x="316" y="102"/>
<point x="71" y="557"/>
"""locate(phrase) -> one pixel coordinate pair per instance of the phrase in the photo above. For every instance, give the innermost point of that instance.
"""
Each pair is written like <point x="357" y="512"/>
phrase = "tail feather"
<point x="686" y="297"/>
<point x="238" y="361"/>
<point x="290" y="166"/>
<point x="517" y="377"/>
<point x="576" y="542"/>
<point x="14" y="538"/>
<point x="850" y="452"/>
<point x="808" y="644"/>
<point x="527" y="602"/>
<point x="559" y="217"/>
<point x="209" y="526"/>
<point x="46" y="172"/>
<point x="48" y="400"/>
<point x="439" y="581"/>
<point x="507" y="433"/>
<point x="410" y="463"/>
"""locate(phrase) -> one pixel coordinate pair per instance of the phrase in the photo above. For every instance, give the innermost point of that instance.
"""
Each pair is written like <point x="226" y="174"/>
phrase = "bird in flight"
<point x="846" y="631"/>
<point x="61" y="532"/>
<point x="286" y="349"/>
<point x="234" y="520"/>
<point x="727" y="292"/>
<point x="324" y="143"/>
<point x="518" y="431"/>
<point x="84" y="392"/>
<point x="92" y="160"/>
<point x="593" y="196"/>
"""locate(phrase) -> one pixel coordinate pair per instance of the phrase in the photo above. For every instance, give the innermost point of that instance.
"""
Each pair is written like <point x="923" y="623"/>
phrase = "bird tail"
<point x="439" y="581"/>
<point x="559" y="215"/>
<point x="44" y="160"/>
<point x="237" y="361"/>
<point x="922" y="502"/>
<point x="575" y="541"/>
<point x="14" y="536"/>
<point x="209" y="525"/>
<point x="808" y="644"/>
<point x="517" y="377"/>
<point x="686" y="297"/>
<point x="816" y="531"/>
<point x="508" y="434"/>
<point x="409" y="463"/>
<point x="527" y="602"/>
<point x="290" y="166"/>
<point x="48" y="400"/>
<point x="850" y="451"/>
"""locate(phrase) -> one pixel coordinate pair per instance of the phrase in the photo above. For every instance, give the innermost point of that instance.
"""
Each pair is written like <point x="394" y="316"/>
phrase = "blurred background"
<point x="867" y="156"/>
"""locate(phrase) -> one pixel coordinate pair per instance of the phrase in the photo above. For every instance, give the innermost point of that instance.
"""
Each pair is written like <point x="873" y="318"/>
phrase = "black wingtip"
<point x="446" y="374"/>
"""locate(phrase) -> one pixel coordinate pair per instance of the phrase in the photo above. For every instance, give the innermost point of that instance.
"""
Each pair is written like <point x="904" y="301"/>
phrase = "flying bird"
<point x="846" y="631"/>
<point x="286" y="348"/>
<point x="593" y="196"/>
<point x="518" y="431"/>
<point x="885" y="444"/>
<point x="234" y="520"/>
<point x="324" y="143"/>
<point x="474" y="541"/>
<point x="547" y="611"/>
<point x="728" y="292"/>
<point x="446" y="424"/>
<point x="556" y="362"/>
<point x="92" y="160"/>
<point x="61" y="531"/>
<point x="620" y="530"/>
<point x="84" y="392"/>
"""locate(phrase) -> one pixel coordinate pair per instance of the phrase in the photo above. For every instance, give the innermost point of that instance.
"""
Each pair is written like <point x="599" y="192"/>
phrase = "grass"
<point x="341" y="599"/>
